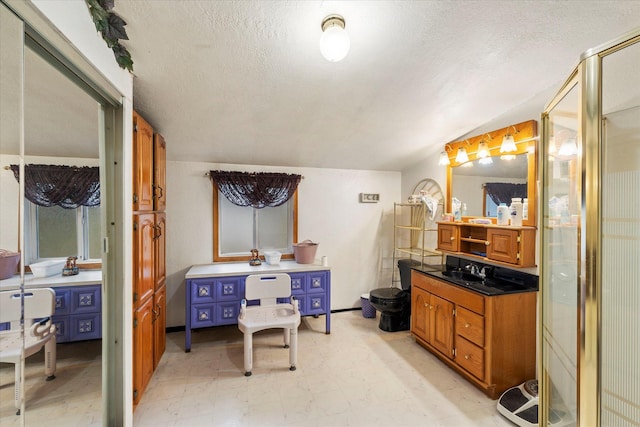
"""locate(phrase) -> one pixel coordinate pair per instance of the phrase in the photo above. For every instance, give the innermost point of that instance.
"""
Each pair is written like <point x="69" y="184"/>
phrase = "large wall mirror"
<point x="473" y="181"/>
<point x="47" y="119"/>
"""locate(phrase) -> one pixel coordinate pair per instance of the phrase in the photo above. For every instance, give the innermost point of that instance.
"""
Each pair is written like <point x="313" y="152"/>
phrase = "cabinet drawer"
<point x="316" y="282"/>
<point x="297" y="283"/>
<point x="470" y="326"/>
<point x="229" y="288"/>
<point x="202" y="291"/>
<point x="448" y="237"/>
<point x="203" y="315"/>
<point x="314" y="304"/>
<point x="85" y="326"/>
<point x="226" y="313"/>
<point x="470" y="357"/>
<point x="62" y="328"/>
<point x="62" y="302"/>
<point x="85" y="300"/>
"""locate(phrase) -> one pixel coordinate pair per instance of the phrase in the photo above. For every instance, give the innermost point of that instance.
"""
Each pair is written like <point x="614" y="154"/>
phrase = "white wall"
<point x="356" y="237"/>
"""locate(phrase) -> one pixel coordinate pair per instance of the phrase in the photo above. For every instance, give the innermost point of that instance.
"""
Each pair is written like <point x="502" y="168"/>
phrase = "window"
<point x="237" y="229"/>
<point x="54" y="232"/>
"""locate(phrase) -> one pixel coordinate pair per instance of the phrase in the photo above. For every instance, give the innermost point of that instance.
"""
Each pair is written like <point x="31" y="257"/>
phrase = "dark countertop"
<point x="490" y="286"/>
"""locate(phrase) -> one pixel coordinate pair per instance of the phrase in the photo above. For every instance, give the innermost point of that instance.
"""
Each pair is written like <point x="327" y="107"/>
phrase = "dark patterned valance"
<point x="66" y="186"/>
<point x="257" y="190"/>
<point x="503" y="192"/>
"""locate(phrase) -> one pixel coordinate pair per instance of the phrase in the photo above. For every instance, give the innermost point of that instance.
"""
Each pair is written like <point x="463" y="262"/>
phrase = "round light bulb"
<point x="334" y="43"/>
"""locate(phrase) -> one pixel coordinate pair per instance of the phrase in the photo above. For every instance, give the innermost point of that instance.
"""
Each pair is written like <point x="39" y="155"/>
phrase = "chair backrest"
<point x="38" y="303"/>
<point x="267" y="287"/>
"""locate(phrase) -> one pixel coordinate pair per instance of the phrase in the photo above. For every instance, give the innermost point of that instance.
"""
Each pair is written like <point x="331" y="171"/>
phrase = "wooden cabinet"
<point x="159" y="172"/>
<point x="489" y="340"/>
<point x="432" y="320"/>
<point x="143" y="257"/>
<point x="159" y="249"/>
<point x="515" y="246"/>
<point x="143" y="164"/>
<point x="448" y="238"/>
<point x="143" y="351"/>
<point x="149" y="251"/>
<point x="159" y="324"/>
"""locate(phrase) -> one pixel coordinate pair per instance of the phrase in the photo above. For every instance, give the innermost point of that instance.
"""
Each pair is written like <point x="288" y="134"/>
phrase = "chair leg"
<point x="17" y="389"/>
<point x="248" y="353"/>
<point x="293" y="351"/>
<point x="50" y="359"/>
<point x="286" y="337"/>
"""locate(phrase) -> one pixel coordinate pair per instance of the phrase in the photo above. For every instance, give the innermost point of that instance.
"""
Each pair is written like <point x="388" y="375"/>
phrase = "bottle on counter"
<point x="503" y="214"/>
<point x="525" y="208"/>
<point x="516" y="212"/>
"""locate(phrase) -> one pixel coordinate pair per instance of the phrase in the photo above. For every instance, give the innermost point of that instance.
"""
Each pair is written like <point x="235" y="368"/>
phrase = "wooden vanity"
<point x="515" y="246"/>
<point x="489" y="340"/>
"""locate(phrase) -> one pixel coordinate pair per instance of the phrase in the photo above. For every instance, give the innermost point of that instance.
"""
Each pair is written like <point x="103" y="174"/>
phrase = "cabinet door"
<point x="503" y="245"/>
<point x="160" y="251"/>
<point x="142" y="348"/>
<point x="448" y="238"/>
<point x="420" y="313"/>
<point x="142" y="164"/>
<point x="143" y="255"/>
<point x="159" y="172"/>
<point x="441" y="327"/>
<point x="159" y="325"/>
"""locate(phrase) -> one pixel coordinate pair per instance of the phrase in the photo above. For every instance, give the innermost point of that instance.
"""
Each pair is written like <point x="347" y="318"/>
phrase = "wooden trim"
<point x="216" y="230"/>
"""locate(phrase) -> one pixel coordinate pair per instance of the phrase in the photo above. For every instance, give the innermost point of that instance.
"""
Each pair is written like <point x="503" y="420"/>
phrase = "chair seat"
<point x="265" y="317"/>
<point x="10" y="343"/>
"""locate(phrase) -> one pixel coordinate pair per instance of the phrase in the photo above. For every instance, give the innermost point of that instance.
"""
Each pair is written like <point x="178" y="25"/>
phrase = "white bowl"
<point x="272" y="257"/>
<point x="47" y="268"/>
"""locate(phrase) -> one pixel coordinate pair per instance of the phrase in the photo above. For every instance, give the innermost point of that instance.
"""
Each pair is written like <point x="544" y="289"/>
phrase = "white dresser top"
<point x="85" y="277"/>
<point x="241" y="268"/>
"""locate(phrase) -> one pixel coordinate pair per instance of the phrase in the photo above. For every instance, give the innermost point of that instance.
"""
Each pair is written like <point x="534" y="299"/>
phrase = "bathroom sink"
<point x="461" y="275"/>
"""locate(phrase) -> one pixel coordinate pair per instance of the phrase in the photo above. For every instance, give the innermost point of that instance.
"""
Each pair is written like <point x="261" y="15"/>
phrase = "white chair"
<point x="269" y="314"/>
<point x="39" y="331"/>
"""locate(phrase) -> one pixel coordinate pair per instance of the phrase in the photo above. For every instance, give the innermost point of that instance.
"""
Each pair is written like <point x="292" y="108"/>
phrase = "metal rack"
<point x="411" y="229"/>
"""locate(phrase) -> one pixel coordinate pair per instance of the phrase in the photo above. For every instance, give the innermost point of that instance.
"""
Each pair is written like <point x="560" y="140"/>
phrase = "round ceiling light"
<point x="334" y="43"/>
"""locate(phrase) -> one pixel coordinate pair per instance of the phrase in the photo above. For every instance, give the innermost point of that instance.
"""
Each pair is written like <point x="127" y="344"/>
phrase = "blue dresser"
<point x="214" y="292"/>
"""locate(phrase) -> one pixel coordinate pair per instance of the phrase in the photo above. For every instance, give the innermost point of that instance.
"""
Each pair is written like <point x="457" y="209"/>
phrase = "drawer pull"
<point x="452" y="238"/>
<point x="467" y="356"/>
<point x="466" y="325"/>
<point x="487" y="243"/>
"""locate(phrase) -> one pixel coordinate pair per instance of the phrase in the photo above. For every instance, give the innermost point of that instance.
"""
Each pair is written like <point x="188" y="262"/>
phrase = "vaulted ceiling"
<point x="244" y="82"/>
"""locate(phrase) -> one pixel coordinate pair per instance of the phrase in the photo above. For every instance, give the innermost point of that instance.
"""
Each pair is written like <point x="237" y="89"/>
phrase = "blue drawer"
<point x="86" y="326"/>
<point x="202" y="290"/>
<point x="62" y="302"/>
<point x="62" y="328"/>
<point x="317" y="282"/>
<point x="203" y="315"/>
<point x="226" y="313"/>
<point x="229" y="288"/>
<point x="85" y="299"/>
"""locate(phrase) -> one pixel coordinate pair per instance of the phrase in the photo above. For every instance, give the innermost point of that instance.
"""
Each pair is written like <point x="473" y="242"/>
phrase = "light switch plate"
<point x="369" y="197"/>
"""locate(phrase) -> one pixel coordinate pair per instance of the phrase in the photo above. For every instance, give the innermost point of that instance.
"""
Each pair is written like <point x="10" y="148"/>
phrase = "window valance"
<point x="66" y="186"/>
<point x="257" y="190"/>
<point x="503" y="192"/>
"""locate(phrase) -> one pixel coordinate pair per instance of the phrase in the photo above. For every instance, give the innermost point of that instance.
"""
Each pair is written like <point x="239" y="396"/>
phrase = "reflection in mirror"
<point x="470" y="182"/>
<point x="61" y="127"/>
<point x="511" y="174"/>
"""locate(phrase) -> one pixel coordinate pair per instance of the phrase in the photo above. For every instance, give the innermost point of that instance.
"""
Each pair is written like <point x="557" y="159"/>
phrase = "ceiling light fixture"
<point x="444" y="156"/>
<point x="334" y="43"/>
<point x="483" y="148"/>
<point x="462" y="156"/>
<point x="508" y="143"/>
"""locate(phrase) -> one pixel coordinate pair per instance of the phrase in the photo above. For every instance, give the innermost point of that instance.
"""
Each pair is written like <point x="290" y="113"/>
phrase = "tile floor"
<point x="356" y="376"/>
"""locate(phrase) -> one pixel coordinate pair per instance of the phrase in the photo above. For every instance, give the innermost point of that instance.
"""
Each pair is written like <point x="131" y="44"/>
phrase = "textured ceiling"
<point x="243" y="82"/>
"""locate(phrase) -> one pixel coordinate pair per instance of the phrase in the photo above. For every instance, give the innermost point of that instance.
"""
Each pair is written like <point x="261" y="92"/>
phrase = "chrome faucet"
<point x="477" y="271"/>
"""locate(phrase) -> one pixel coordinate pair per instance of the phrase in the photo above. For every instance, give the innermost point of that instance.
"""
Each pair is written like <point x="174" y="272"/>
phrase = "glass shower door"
<point x="560" y="257"/>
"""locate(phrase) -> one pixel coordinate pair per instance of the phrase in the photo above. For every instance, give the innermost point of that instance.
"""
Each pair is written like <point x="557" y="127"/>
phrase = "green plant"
<point x="111" y="26"/>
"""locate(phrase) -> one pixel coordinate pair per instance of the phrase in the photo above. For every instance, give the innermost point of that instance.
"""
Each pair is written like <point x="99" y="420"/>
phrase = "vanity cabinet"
<point x="489" y="340"/>
<point x="514" y="246"/>
<point x="214" y="292"/>
<point x="78" y="314"/>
